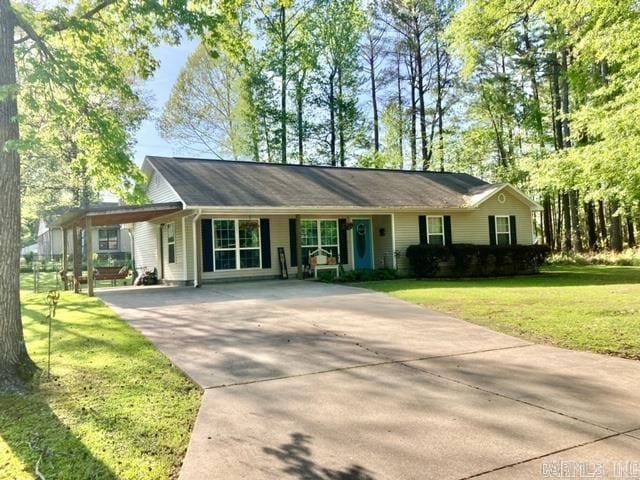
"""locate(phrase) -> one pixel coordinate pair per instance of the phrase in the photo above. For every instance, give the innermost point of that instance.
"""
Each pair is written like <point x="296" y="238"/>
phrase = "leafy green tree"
<point x="81" y="52"/>
<point x="410" y="20"/>
<point x="338" y="25"/>
<point x="202" y="112"/>
<point x="278" y="21"/>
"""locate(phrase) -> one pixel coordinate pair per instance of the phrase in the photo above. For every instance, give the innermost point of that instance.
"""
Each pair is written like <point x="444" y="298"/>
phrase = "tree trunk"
<point x="548" y="223"/>
<point x="283" y="91"/>
<point x="557" y="101"/>
<point x="374" y="104"/>
<point x="341" y="121"/>
<point x="423" y="115"/>
<point x="412" y="133"/>
<point x="566" y="129"/>
<point x="592" y="234"/>
<point x="566" y="213"/>
<point x="255" y="130"/>
<point x="576" y="237"/>
<point x="616" y="227"/>
<point x="300" y="120"/>
<point x="439" y="91"/>
<point x="400" y="108"/>
<point x="533" y="68"/>
<point x="332" y="119"/>
<point x="267" y="139"/>
<point x="559" y="223"/>
<point x="15" y="364"/>
<point x="631" y="234"/>
<point x="602" y="221"/>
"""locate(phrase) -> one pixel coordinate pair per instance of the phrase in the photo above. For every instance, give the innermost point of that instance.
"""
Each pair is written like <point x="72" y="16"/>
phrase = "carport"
<point x="89" y="218"/>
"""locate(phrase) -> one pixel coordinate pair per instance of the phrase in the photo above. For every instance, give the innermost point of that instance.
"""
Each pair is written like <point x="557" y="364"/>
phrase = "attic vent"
<point x="501" y="198"/>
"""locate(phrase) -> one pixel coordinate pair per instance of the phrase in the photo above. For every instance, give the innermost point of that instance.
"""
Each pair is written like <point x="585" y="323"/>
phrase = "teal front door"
<point x="362" y="246"/>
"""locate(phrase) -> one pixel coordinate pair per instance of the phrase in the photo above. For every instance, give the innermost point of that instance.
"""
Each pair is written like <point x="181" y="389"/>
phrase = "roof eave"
<point x="534" y="206"/>
<point x="321" y="208"/>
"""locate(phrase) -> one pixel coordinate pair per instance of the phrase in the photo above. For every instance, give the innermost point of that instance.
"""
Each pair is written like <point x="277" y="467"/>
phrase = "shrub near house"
<point x="464" y="260"/>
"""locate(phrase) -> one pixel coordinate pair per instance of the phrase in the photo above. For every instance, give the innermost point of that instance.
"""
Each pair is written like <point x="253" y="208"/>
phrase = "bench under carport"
<point x="92" y="217"/>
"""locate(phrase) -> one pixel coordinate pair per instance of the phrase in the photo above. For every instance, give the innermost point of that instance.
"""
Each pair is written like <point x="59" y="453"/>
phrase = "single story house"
<point x="218" y="220"/>
<point x="239" y="220"/>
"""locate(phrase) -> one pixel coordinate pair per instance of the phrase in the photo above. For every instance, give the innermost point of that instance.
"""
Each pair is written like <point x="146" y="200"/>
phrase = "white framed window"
<point x="236" y="244"/>
<point x="171" y="242"/>
<point x="108" y="239"/>
<point x="435" y="230"/>
<point x="319" y="233"/>
<point x="503" y="230"/>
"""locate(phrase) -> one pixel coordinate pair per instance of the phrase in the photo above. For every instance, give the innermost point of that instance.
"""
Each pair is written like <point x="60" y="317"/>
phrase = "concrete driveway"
<point x="324" y="382"/>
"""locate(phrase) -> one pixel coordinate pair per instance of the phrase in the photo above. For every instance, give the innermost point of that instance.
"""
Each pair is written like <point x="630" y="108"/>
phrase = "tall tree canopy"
<point x="203" y="112"/>
<point x="539" y="94"/>
<point x="71" y="67"/>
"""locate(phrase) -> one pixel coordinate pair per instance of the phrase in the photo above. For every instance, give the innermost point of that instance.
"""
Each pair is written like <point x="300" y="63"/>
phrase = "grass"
<point x="594" y="308"/>
<point x="115" y="407"/>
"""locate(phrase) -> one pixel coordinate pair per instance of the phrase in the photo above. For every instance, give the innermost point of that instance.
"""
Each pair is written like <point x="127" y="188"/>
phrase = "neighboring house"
<point x="108" y="240"/>
<point x="230" y="218"/>
<point x="29" y="249"/>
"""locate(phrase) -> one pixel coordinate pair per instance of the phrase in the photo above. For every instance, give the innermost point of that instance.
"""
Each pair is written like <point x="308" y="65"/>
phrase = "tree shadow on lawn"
<point x="296" y="455"/>
<point x="40" y="440"/>
<point x="555" y="277"/>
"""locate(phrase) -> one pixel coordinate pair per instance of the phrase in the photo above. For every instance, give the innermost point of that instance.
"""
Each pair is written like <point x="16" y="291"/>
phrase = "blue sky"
<point x="158" y="88"/>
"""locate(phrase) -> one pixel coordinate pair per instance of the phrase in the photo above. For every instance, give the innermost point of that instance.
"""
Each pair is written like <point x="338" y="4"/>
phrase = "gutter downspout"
<point x="195" y="247"/>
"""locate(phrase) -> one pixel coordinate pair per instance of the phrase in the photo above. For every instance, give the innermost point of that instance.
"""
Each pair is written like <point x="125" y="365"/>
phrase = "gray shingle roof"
<point x="223" y="183"/>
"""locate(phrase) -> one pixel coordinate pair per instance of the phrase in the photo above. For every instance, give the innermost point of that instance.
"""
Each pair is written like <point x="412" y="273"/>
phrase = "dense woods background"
<point x="539" y="93"/>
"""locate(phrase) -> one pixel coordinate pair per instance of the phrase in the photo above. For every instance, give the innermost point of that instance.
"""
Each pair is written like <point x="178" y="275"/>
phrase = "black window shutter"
<point x="492" y="230"/>
<point x="344" y="247"/>
<point x="207" y="245"/>
<point x="422" y="227"/>
<point x="293" y="242"/>
<point x="512" y="229"/>
<point x="265" y="239"/>
<point x="447" y="230"/>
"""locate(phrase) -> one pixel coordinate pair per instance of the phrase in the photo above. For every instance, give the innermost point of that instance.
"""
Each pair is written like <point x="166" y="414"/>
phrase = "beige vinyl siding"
<point x="145" y="236"/>
<point x="382" y="245"/>
<point x="473" y="226"/>
<point x="186" y="250"/>
<point x="159" y="190"/>
<point x="407" y="233"/>
<point x="470" y="226"/>
<point x="174" y="272"/>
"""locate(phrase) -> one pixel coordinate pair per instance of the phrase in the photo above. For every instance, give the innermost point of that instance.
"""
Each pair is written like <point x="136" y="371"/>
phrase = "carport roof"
<point x="114" y="215"/>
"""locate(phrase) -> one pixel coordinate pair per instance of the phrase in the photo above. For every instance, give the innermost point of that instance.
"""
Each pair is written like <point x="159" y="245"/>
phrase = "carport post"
<point x="299" y="246"/>
<point x="393" y="241"/>
<point x="76" y="260"/>
<point x="65" y="254"/>
<point x="196" y="253"/>
<point x="89" y="237"/>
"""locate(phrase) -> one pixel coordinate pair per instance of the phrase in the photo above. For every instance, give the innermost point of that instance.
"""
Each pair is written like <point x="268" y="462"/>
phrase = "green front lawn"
<point x="115" y="407"/>
<point x="593" y="308"/>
